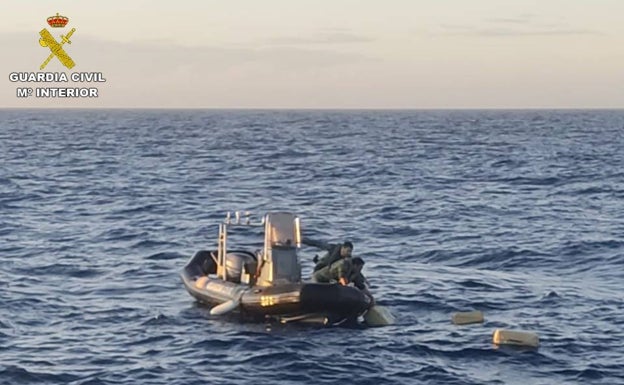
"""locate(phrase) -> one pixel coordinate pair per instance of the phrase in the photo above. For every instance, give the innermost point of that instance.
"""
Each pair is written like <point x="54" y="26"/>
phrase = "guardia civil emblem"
<point x="55" y="47"/>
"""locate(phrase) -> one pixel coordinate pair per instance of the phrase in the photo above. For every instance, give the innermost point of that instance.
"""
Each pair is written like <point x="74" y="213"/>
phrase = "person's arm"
<point x="361" y="283"/>
<point x="369" y="295"/>
<point x="339" y="272"/>
<point x="315" y="243"/>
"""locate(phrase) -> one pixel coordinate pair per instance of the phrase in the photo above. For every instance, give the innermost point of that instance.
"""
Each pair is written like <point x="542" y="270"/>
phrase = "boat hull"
<point x="289" y="299"/>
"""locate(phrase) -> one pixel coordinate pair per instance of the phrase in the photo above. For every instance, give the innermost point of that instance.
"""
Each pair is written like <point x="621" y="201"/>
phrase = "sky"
<point x="325" y="54"/>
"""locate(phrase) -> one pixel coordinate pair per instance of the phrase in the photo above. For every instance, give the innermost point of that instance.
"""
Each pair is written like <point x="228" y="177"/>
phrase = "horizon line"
<point x="318" y="108"/>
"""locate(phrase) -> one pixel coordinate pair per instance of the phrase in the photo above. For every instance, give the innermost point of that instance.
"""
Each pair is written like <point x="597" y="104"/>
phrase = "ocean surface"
<point x="519" y="214"/>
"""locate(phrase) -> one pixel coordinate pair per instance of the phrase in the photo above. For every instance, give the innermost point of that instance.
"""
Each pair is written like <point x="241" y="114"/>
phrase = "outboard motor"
<point x="234" y="264"/>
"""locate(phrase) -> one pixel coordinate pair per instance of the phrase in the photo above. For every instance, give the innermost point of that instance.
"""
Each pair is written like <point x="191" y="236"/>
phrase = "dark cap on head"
<point x="357" y="261"/>
<point x="348" y="244"/>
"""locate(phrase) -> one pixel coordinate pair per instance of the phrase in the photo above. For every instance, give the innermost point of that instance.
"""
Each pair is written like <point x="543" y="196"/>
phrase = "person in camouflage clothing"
<point x="334" y="252"/>
<point x="345" y="271"/>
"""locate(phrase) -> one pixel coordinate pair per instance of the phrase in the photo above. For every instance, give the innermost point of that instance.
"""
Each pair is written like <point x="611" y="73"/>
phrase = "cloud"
<point x="139" y="57"/>
<point x="335" y="37"/>
<point x="522" y="25"/>
<point x="171" y="74"/>
<point x="510" y="32"/>
<point x="502" y="32"/>
<point x="526" y="18"/>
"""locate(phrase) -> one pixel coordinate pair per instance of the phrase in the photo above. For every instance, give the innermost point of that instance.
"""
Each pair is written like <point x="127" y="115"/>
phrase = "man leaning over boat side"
<point x="345" y="271"/>
<point x="334" y="252"/>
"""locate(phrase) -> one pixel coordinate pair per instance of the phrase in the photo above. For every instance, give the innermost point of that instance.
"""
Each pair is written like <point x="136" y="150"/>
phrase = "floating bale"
<point x="468" y="317"/>
<point x="378" y="316"/>
<point x="515" y="337"/>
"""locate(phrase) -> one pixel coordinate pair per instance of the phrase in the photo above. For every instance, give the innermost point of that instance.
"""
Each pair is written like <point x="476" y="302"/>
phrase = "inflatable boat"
<point x="267" y="282"/>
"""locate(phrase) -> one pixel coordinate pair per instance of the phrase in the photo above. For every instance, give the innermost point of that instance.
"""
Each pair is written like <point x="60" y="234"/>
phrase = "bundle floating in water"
<point x="378" y="316"/>
<point x="468" y="317"/>
<point x="515" y="337"/>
